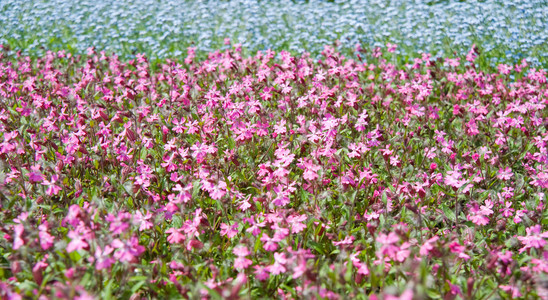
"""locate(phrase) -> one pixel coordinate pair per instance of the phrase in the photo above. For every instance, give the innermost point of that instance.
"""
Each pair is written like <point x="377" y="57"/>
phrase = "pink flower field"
<point x="272" y="176"/>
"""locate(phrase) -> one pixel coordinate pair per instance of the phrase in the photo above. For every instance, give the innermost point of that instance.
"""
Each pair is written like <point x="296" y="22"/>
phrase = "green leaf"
<point x="433" y="294"/>
<point x="139" y="284"/>
<point x="316" y="246"/>
<point x="107" y="292"/>
<point x="231" y="143"/>
<point x="176" y="221"/>
<point x="75" y="256"/>
<point x="449" y="213"/>
<point x="138" y="278"/>
<point x="257" y="245"/>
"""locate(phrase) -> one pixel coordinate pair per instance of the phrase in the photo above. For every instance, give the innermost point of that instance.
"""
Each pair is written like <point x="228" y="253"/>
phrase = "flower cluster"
<point x="272" y="176"/>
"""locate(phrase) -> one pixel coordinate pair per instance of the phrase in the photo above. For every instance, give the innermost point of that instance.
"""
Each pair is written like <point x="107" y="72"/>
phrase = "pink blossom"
<point x="175" y="236"/>
<point x="269" y="243"/>
<point x="358" y="264"/>
<point x="455" y="247"/>
<point x="229" y="230"/>
<point x="77" y="242"/>
<point x="279" y="264"/>
<point x="46" y="239"/>
<point x="346" y="241"/>
<point x="219" y="190"/>
<point x="35" y="177"/>
<point x="406" y="295"/>
<point x="533" y="239"/>
<point x="127" y="251"/>
<point x="428" y="246"/>
<point x="103" y="259"/>
<point x="261" y="273"/>
<point x="505" y="174"/>
<point x="512" y="290"/>
<point x="53" y="189"/>
<point x="18" y="239"/>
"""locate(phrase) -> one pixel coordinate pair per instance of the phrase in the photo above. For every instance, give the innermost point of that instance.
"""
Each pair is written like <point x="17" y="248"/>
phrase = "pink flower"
<point x="35" y="177"/>
<point x="279" y="264"/>
<point x="534" y="238"/>
<point x="269" y="243"/>
<point x="229" y="230"/>
<point x="455" y="289"/>
<point x="142" y="221"/>
<point x="505" y="174"/>
<point x="504" y="69"/>
<point x="103" y="260"/>
<point x="403" y="252"/>
<point x="244" y="204"/>
<point x="240" y="251"/>
<point x="359" y="265"/>
<point x="78" y="241"/>
<point x="480" y="216"/>
<point x="347" y="241"/>
<point x="18" y="239"/>
<point x="391" y="238"/>
<point x="455" y="247"/>
<point x="46" y="239"/>
<point x="129" y="250"/>
<point x="241" y="262"/>
<point x="430" y="152"/>
<point x="389" y="247"/>
<point x="175" y="236"/>
<point x="513" y="290"/>
<point x="296" y="223"/>
<point x="282" y="196"/>
<point x="428" y="246"/>
<point x="219" y="190"/>
<point x="261" y="273"/>
<point x="38" y="268"/>
<point x="184" y="195"/>
<point x="53" y="189"/>
<point x="175" y="265"/>
<point x="406" y="295"/>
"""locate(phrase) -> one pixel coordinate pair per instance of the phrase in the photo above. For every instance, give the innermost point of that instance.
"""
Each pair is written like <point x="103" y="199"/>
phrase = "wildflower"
<point x="270" y="244"/>
<point x="53" y="189"/>
<point x="175" y="236"/>
<point x="511" y="289"/>
<point x="229" y="230"/>
<point x="102" y="257"/>
<point x="261" y="273"/>
<point x="241" y="262"/>
<point x="505" y="174"/>
<point x="455" y="247"/>
<point x="129" y="250"/>
<point x="428" y="246"/>
<point x="46" y="239"/>
<point x="359" y="265"/>
<point x="533" y="239"/>
<point x="35" y="175"/>
<point x="78" y="241"/>
<point x="279" y="264"/>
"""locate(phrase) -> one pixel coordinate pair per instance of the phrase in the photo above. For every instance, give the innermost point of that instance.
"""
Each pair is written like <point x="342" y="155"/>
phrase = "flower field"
<point x="342" y="172"/>
<point x="507" y="30"/>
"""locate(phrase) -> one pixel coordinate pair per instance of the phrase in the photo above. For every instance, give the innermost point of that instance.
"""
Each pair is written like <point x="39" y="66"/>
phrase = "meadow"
<point x="505" y="31"/>
<point x="142" y="158"/>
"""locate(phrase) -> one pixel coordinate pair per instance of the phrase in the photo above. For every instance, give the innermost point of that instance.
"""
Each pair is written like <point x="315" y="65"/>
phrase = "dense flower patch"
<point x="506" y="30"/>
<point x="272" y="176"/>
